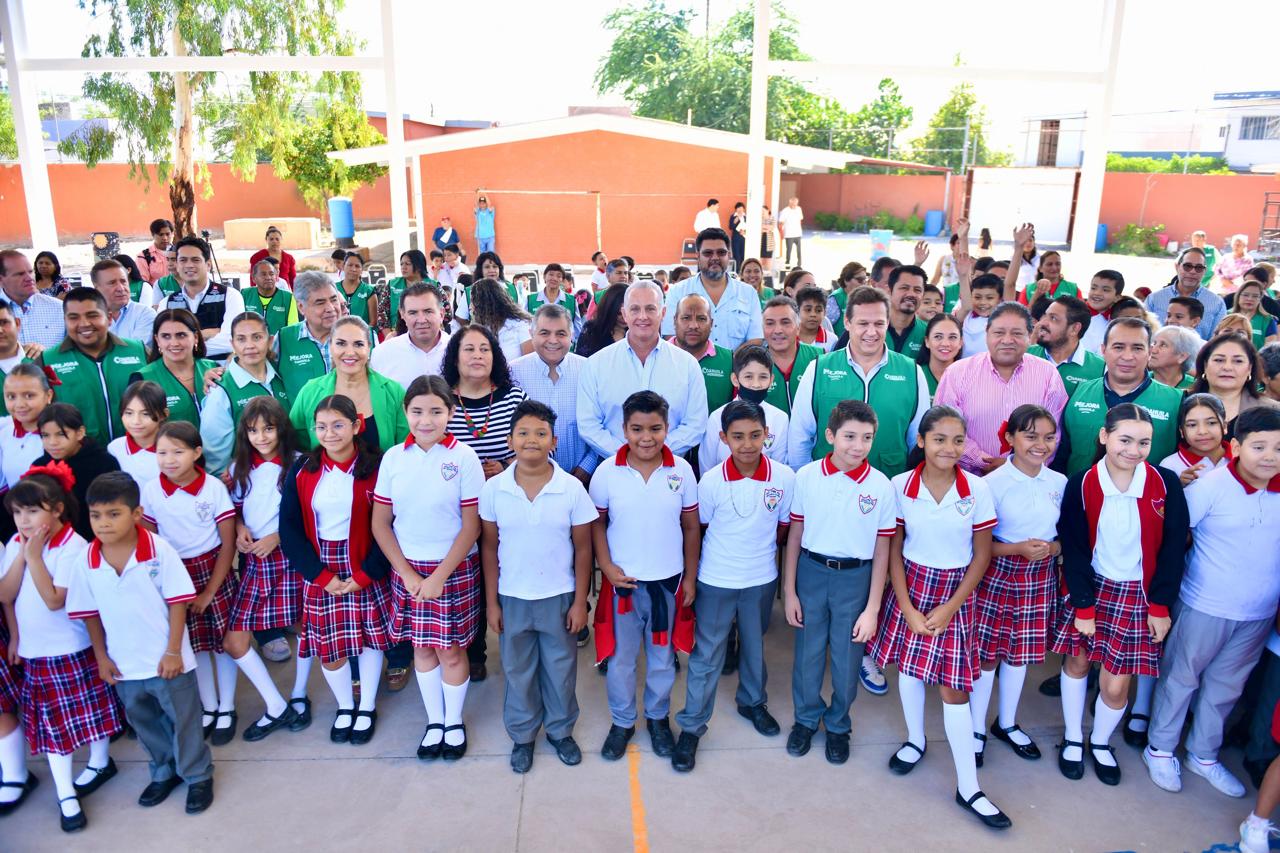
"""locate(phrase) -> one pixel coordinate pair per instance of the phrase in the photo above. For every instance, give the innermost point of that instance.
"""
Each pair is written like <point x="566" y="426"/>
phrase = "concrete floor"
<point x="299" y="792"/>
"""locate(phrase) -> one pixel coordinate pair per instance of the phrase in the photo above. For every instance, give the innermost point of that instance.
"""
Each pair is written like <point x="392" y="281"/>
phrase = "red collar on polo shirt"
<point x="327" y="464"/>
<point x="145" y="549"/>
<point x="668" y="458"/>
<point x="821" y="337"/>
<point x="134" y="447"/>
<point x="917" y="476"/>
<point x="448" y="442"/>
<point x="192" y="488"/>
<point x="19" y="431"/>
<point x="1190" y="457"/>
<point x="1272" y="486"/>
<point x="58" y="539"/>
<point x="1106" y="315"/>
<point x="761" y="475"/>
<point x="259" y="460"/>
<point x="858" y="474"/>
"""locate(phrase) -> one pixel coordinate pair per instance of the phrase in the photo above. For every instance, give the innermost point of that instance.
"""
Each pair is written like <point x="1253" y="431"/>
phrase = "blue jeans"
<point x="484" y="244"/>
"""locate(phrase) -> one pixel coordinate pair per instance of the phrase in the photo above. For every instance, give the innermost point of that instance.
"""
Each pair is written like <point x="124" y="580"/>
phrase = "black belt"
<point x="835" y="563"/>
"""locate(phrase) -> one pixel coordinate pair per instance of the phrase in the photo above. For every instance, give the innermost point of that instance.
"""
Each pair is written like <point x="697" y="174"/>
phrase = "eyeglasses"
<point x="1194" y="267"/>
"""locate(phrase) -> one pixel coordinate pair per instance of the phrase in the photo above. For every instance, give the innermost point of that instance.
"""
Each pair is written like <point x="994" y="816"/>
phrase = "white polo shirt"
<point x="742" y="515"/>
<point x="259" y="505"/>
<point x="713" y="451"/>
<point x="1026" y="507"/>
<point x="45" y="633"/>
<point x="426" y="490"/>
<point x="332" y="499"/>
<point x="1233" y="568"/>
<point x="18" y="449"/>
<point x="1091" y="340"/>
<point x="1117" y="551"/>
<point x="644" y="533"/>
<point x="535" y="537"/>
<point x="188" y="516"/>
<point x="136" y="461"/>
<point x="843" y="512"/>
<point x="134" y="604"/>
<point x="975" y="335"/>
<point x="400" y="359"/>
<point x="1185" y="457"/>
<point x="940" y="534"/>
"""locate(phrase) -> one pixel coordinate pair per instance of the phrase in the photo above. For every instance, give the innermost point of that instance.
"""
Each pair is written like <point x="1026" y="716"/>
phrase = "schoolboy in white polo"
<point x="843" y="519"/>
<point x="742" y="502"/>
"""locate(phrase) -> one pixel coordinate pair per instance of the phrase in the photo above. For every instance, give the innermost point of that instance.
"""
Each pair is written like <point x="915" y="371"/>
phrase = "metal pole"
<point x="964" y="148"/>
<point x="1098" y="124"/>
<point x="759" y="115"/>
<point x="395" y="134"/>
<point x="419" y="209"/>
<point x="1191" y="137"/>
<point x="26" y="124"/>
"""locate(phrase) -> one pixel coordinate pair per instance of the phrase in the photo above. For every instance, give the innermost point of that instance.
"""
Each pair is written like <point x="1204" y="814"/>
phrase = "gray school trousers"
<point x="1213" y="655"/>
<point x="831" y="601"/>
<point x="633" y="632"/>
<point x="715" y="609"/>
<point x="540" y="662"/>
<point x="166" y="716"/>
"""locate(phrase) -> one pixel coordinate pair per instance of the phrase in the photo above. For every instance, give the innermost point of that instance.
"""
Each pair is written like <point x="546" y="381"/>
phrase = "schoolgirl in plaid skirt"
<point x="436" y="579"/>
<point x="1123" y="530"/>
<point x="325" y="513"/>
<point x="16" y="782"/>
<point x="938" y="556"/>
<point x="1017" y="601"/>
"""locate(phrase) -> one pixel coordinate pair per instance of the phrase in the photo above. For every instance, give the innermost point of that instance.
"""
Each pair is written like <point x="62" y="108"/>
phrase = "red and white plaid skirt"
<point x="336" y="627"/>
<point x="951" y="659"/>
<point x="270" y="594"/>
<point x="207" y="629"/>
<point x="1121" y="641"/>
<point x="65" y="705"/>
<point x="1016" y="607"/>
<point x="10" y="677"/>
<point x="453" y="619"/>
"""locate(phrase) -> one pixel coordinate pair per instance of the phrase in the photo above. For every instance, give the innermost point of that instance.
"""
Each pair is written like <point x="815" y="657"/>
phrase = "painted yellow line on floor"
<point x="639" y="830"/>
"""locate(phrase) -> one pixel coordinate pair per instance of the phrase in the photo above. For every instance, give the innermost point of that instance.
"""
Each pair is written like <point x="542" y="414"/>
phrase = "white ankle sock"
<point x="1142" y="701"/>
<point x="301" y="675"/>
<point x="13" y="763"/>
<point x="911" y="694"/>
<point x="99" y="755"/>
<point x="207" y="684"/>
<point x="1073" y="698"/>
<point x="430" y="684"/>
<point x="340" y="683"/>
<point x="60" y="769"/>
<point x="1105" y="720"/>
<point x="979" y="700"/>
<point x="256" y="671"/>
<point x="1011" y="680"/>
<point x="455" y="696"/>
<point x="958" y="722"/>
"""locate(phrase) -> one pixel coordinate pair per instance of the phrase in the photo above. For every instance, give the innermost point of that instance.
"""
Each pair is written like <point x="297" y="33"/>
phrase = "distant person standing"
<point x="152" y="262"/>
<point x="738" y="235"/>
<point x="708" y="217"/>
<point x="486" y="234"/>
<point x="768" y="237"/>
<point x="1200" y="240"/>
<point x="275" y="241"/>
<point x="445" y="235"/>
<point x="790" y="220"/>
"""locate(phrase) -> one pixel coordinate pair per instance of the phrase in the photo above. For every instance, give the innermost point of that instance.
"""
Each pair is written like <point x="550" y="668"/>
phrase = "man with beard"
<point x="735" y="305"/>
<point x="1190" y="268"/>
<point x="1058" y="340"/>
<point x="790" y="356"/>
<point x="420" y="351"/>
<point x="906" y="330"/>
<point x="693" y="335"/>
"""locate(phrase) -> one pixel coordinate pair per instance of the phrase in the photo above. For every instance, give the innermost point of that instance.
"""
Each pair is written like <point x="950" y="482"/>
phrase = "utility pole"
<point x="964" y="148"/>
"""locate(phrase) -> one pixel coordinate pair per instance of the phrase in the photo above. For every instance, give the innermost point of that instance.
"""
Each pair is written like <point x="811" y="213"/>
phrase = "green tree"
<point x="8" y="136"/>
<point x="943" y="143"/>
<point x="160" y="118"/>
<point x="305" y="161"/>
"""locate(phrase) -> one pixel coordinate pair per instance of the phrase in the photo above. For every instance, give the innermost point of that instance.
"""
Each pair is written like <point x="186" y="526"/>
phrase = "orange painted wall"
<point x="863" y="195"/>
<point x="1221" y="205"/>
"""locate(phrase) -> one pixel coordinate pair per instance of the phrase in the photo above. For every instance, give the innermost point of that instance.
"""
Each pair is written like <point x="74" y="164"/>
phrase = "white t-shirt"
<point x="1091" y="340"/>
<point x="843" y="512"/>
<point x="18" y="449"/>
<point x="1117" y="551"/>
<point x="512" y="334"/>
<point x="401" y="360"/>
<point x="535" y="538"/>
<point x="45" y="633"/>
<point x="940" y="535"/>
<point x="136" y="461"/>
<point x="789" y="222"/>
<point x="1026" y="507"/>
<point x="713" y="451"/>
<point x="260" y="504"/>
<point x="426" y="490"/>
<point x="645" y="537"/>
<point x="706" y="218"/>
<point x="742" y="515"/>
<point x="975" y="335"/>
<point x="188" y="516"/>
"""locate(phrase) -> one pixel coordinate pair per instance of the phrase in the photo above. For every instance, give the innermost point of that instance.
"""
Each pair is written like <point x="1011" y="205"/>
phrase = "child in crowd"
<point x="1017" y="600"/>
<point x="834" y="575"/>
<point x="939" y="554"/>
<point x="62" y="434"/>
<point x="325" y="528"/>
<point x="248" y="374"/>
<point x="436" y="584"/>
<point x="1105" y="288"/>
<point x="812" y="302"/>
<point x="745" y="505"/>
<point x="16" y="781"/>
<point x="977" y="300"/>
<point x="270" y="593"/>
<point x="193" y="512"/>
<point x="143" y="408"/>
<point x="27" y="393"/>
<point x="65" y="705"/>
<point x="646" y="544"/>
<point x="536" y="548"/>
<point x="931" y="303"/>
<point x="132" y="590"/>
<point x="1123" y="529"/>
<point x="751" y="375"/>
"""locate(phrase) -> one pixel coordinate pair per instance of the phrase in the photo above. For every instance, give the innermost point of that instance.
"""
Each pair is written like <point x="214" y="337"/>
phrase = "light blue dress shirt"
<point x="736" y="319"/>
<point x="531" y="373"/>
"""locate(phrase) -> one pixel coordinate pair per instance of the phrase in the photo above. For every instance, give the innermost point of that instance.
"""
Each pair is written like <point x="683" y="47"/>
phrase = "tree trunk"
<point x="182" y="189"/>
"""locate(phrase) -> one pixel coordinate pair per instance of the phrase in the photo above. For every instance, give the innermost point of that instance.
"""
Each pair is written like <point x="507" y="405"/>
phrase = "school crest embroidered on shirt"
<point x="964" y="506"/>
<point x="768" y="441"/>
<point x="204" y="510"/>
<point x="1158" y="505"/>
<point x="449" y="470"/>
<point x="866" y="503"/>
<point x="771" y="498"/>
<point x="674" y="481"/>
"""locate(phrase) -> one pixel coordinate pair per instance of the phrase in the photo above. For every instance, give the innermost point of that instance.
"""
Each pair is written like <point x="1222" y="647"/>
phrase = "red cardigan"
<point x="288" y="267"/>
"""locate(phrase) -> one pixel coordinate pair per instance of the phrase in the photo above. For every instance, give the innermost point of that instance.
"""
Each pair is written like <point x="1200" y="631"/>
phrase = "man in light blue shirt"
<point x="485" y="229"/>
<point x="735" y="305"/>
<point x="40" y="315"/>
<point x="1190" y="267"/>
<point x="129" y="320"/>
<point x="642" y="361"/>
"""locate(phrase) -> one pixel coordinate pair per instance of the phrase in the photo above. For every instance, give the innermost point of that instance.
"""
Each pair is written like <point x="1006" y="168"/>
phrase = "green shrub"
<point x="914" y="225"/>
<point x="1195" y="164"/>
<point x="826" y="221"/>
<point x="1137" y="240"/>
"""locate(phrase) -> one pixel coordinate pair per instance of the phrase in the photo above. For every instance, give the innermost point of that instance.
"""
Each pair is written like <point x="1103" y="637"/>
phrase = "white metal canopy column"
<point x="26" y="122"/>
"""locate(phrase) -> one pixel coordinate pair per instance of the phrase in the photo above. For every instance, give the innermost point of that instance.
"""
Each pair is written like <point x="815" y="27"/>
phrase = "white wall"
<point x="1005" y="198"/>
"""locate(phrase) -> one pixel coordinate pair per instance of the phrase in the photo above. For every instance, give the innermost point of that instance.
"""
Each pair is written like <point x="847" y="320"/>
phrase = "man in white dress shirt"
<point x="419" y="350"/>
<point x="708" y="217"/>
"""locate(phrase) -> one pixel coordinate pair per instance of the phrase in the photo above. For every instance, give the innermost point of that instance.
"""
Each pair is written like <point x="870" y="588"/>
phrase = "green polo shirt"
<point x="1074" y="374"/>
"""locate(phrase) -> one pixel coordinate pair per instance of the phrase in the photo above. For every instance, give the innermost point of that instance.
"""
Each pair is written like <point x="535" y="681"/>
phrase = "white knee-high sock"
<point x="958" y="722"/>
<point x="1011" y="680"/>
<point x="911" y="694"/>
<point x="256" y="671"/>
<point x="60" y="769"/>
<point x="99" y="755"/>
<point x="13" y="763"/>
<point x="979" y="701"/>
<point x="207" y="684"/>
<point x="1142" y="701"/>
<point x="370" y="665"/>
<point x="1105" y="720"/>
<point x="340" y="683"/>
<point x="455" y="696"/>
<point x="1073" y="699"/>
<point x="431" y="685"/>
<point x="227" y="671"/>
<point x="301" y="675"/>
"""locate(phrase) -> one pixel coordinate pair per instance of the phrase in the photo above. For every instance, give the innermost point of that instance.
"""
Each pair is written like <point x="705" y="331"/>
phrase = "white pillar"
<point x="1093" y="167"/>
<point x="395" y="134"/>
<point x="759" y="114"/>
<point x="26" y="122"/>
<point x="419" y="212"/>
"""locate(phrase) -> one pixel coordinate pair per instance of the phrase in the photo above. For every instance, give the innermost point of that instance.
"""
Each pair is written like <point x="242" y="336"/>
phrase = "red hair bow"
<point x="58" y="470"/>
<point x="51" y="375"/>
<point x="1005" y="446"/>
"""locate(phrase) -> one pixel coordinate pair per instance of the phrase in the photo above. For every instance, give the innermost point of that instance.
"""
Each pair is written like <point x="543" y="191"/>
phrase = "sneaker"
<point x="1217" y="774"/>
<point x="1256" y="838"/>
<point x="277" y="650"/>
<point x="1165" y="771"/>
<point x="872" y="678"/>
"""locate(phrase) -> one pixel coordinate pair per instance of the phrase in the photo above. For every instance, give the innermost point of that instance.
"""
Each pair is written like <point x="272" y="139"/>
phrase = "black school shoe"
<point x="799" y="740"/>
<point x="615" y="743"/>
<point x="902" y="768"/>
<point x="999" y="820"/>
<point x="661" y="738"/>
<point x="1030" y="752"/>
<point x="837" y="748"/>
<point x="1071" y="769"/>
<point x="258" y="731"/>
<point x="199" y="796"/>
<point x="76" y="822"/>
<point x="223" y="735"/>
<point x="567" y="750"/>
<point x="685" y="755"/>
<point x="302" y="706"/>
<point x="359" y="737"/>
<point x="1107" y="775"/>
<point x="521" y="757"/>
<point x="342" y="734"/>
<point x="760" y="717"/>
<point x="448" y="751"/>
<point x="435" y="750"/>
<point x="1136" y="739"/>
<point x="157" y="792"/>
<point x="979" y="755"/>
<point x="27" y="787"/>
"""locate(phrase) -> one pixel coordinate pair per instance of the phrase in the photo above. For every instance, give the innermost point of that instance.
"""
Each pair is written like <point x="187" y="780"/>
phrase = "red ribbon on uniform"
<point x="1005" y="446"/>
<point x="51" y="376"/>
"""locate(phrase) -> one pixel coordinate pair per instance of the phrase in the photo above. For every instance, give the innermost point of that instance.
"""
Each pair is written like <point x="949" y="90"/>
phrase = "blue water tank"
<point x="932" y="223"/>
<point x="342" y="222"/>
<point x="1100" y="242"/>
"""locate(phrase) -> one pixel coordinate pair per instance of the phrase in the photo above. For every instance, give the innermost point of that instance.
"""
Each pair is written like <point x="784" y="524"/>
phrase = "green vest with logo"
<point x="135" y="289"/>
<point x="1260" y="322"/>
<point x="240" y="397"/>
<point x="1074" y="374"/>
<point x="782" y="391"/>
<point x="715" y="375"/>
<point x="95" y="387"/>
<point x="1086" y="412"/>
<point x="358" y="302"/>
<point x="892" y="392"/>
<point x="166" y="284"/>
<point x="841" y="296"/>
<point x="912" y="342"/>
<point x="183" y="405"/>
<point x="300" y="359"/>
<point x="537" y="299"/>
<point x="950" y="297"/>
<point x="4" y="410"/>
<point x="275" y="310"/>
